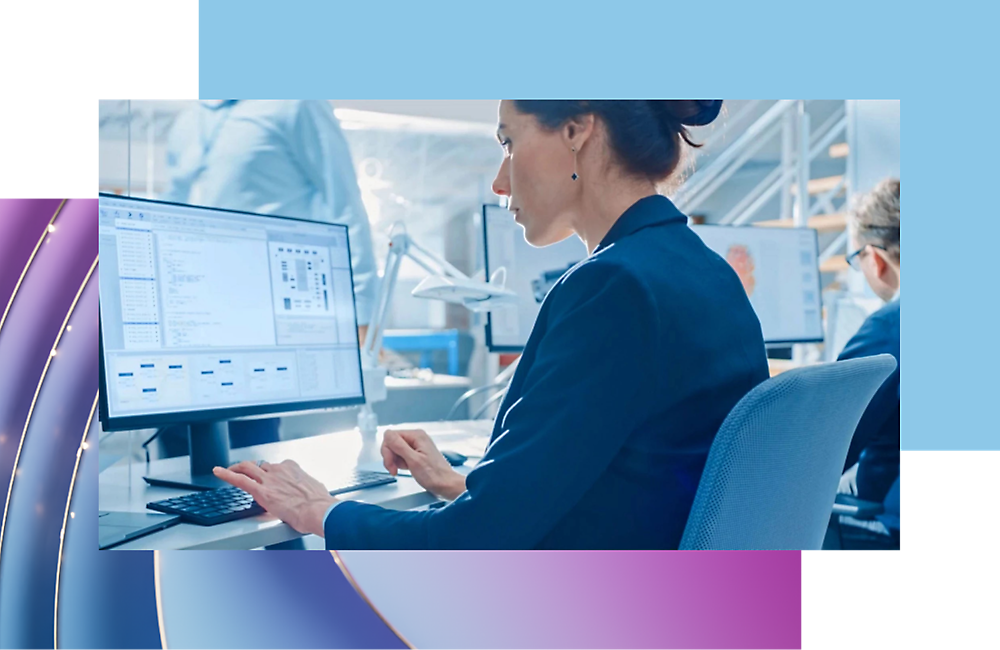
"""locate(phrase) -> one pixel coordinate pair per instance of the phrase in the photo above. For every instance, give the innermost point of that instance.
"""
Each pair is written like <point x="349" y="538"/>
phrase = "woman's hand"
<point x="284" y="490"/>
<point x="413" y="450"/>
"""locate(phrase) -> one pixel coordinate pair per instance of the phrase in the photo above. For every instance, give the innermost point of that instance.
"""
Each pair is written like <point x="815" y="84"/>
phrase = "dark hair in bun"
<point x="645" y="135"/>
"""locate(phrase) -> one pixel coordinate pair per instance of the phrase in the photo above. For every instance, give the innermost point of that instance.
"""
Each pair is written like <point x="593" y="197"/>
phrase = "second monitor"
<point x="779" y="269"/>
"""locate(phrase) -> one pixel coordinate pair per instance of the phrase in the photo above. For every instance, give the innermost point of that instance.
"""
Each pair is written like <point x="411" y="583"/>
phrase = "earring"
<point x="574" y="176"/>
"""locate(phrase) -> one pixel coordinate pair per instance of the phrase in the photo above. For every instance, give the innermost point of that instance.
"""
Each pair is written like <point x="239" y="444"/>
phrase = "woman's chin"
<point x="530" y="236"/>
<point x="524" y="226"/>
<point x="533" y="234"/>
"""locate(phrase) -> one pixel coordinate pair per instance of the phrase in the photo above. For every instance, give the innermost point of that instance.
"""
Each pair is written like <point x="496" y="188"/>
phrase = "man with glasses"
<point x="873" y="458"/>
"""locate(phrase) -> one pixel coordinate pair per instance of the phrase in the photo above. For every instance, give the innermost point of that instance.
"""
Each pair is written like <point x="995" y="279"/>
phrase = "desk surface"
<point x="778" y="366"/>
<point x="321" y="456"/>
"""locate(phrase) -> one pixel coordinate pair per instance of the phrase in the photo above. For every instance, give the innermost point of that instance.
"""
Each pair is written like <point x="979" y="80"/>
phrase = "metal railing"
<point x="800" y="145"/>
<point x="690" y="194"/>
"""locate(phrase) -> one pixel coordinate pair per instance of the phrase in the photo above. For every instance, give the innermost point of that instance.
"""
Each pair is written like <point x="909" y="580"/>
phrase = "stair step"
<point x="821" y="222"/>
<point x="820" y="185"/>
<point x="834" y="264"/>
<point x="839" y="150"/>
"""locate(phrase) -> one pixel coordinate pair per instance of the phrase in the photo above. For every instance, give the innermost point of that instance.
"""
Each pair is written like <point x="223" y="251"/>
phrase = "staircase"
<point x="777" y="152"/>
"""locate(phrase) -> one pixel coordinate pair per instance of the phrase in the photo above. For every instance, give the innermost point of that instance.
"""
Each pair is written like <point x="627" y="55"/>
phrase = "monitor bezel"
<point x="154" y="420"/>
<point x="500" y="349"/>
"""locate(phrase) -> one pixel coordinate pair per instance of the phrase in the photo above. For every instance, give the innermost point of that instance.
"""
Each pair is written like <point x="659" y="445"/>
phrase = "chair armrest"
<point x="850" y="506"/>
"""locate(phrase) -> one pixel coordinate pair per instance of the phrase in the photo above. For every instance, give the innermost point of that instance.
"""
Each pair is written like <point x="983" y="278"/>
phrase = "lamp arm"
<point x="443" y="264"/>
<point x="400" y="245"/>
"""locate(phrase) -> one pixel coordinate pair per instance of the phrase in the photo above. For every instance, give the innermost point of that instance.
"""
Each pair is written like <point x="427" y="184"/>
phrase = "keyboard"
<point x="210" y="507"/>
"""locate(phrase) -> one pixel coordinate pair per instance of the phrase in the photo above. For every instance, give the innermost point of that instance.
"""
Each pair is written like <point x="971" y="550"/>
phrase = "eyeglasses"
<point x="854" y="259"/>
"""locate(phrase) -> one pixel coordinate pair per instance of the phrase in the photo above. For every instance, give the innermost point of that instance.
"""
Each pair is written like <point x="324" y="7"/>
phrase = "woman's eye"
<point x="506" y="146"/>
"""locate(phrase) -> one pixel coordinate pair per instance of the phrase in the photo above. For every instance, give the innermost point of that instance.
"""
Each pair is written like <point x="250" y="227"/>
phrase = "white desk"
<point x="318" y="455"/>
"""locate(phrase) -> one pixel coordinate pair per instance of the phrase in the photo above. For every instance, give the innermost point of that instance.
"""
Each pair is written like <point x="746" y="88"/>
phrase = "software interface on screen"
<point x="531" y="272"/>
<point x="779" y="269"/>
<point x="205" y="309"/>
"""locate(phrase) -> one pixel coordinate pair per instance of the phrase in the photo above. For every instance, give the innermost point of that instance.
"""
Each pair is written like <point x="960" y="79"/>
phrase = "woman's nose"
<point x="501" y="184"/>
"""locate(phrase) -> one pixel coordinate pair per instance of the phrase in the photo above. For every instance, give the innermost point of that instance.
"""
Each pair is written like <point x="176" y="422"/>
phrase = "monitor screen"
<point x="779" y="268"/>
<point x="210" y="314"/>
<point x="531" y="272"/>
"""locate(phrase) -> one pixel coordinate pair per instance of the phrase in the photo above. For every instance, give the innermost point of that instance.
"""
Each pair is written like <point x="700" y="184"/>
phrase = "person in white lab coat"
<point x="287" y="158"/>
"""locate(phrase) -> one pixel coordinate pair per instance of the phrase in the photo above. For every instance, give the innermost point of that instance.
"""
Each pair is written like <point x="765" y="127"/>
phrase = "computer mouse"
<point x="453" y="457"/>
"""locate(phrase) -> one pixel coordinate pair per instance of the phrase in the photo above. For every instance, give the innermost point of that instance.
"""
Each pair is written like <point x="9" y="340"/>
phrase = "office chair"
<point x="774" y="467"/>
<point x="501" y="381"/>
<point x="472" y="392"/>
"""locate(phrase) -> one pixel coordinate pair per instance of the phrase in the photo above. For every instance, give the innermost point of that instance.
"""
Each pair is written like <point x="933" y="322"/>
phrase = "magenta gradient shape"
<point x="609" y="599"/>
<point x="22" y="222"/>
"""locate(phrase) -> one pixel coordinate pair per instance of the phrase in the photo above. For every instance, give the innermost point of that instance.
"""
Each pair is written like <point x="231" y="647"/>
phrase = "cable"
<point x="489" y="402"/>
<point x="151" y="438"/>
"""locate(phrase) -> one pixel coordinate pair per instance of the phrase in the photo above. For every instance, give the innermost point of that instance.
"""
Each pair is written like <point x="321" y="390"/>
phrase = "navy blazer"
<point x="875" y="446"/>
<point x="637" y="355"/>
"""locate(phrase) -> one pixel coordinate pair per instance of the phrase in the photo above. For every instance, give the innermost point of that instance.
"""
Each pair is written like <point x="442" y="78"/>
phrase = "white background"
<point x="942" y="590"/>
<point x="58" y="58"/>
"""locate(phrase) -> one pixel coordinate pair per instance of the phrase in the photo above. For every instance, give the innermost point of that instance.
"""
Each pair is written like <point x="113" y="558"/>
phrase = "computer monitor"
<point x="779" y="268"/>
<point x="845" y="314"/>
<point x="208" y="315"/>
<point x="531" y="272"/>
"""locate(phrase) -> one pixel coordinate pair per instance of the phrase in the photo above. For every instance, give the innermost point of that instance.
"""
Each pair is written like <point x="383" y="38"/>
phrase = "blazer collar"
<point x="649" y="211"/>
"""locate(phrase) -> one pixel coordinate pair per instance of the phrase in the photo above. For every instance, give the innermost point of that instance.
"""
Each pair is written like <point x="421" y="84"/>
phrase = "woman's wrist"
<point x="316" y="517"/>
<point x="455" y="486"/>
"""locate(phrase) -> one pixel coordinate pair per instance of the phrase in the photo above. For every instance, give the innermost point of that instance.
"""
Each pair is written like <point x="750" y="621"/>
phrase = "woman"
<point x="637" y="355"/>
<point x="875" y="446"/>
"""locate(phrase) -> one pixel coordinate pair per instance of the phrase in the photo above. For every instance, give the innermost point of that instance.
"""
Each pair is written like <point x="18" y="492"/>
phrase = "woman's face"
<point x="536" y="176"/>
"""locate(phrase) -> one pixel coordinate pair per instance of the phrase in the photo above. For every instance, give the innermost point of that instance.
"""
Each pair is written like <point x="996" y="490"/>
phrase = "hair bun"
<point x="693" y="112"/>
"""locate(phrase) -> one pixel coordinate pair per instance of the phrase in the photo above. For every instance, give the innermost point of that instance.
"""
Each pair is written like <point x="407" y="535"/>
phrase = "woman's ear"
<point x="578" y="130"/>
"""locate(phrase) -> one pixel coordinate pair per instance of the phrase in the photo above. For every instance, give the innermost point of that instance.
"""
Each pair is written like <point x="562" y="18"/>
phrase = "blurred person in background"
<point x="286" y="158"/>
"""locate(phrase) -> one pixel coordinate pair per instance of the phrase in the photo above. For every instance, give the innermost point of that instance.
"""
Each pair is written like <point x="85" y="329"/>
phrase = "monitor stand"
<point x="209" y="445"/>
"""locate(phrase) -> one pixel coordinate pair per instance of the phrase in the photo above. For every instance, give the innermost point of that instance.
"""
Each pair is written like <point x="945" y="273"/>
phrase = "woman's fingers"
<point x="241" y="481"/>
<point x="417" y="439"/>
<point x="398" y="445"/>
<point x="249" y="468"/>
<point x="389" y="459"/>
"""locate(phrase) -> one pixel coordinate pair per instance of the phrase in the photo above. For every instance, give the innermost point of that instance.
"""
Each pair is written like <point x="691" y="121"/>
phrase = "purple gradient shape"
<point x="104" y="600"/>
<point x="35" y="317"/>
<point x="34" y="517"/>
<point x="22" y="222"/>
<point x="41" y="488"/>
<point x="611" y="599"/>
<point x="289" y="599"/>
